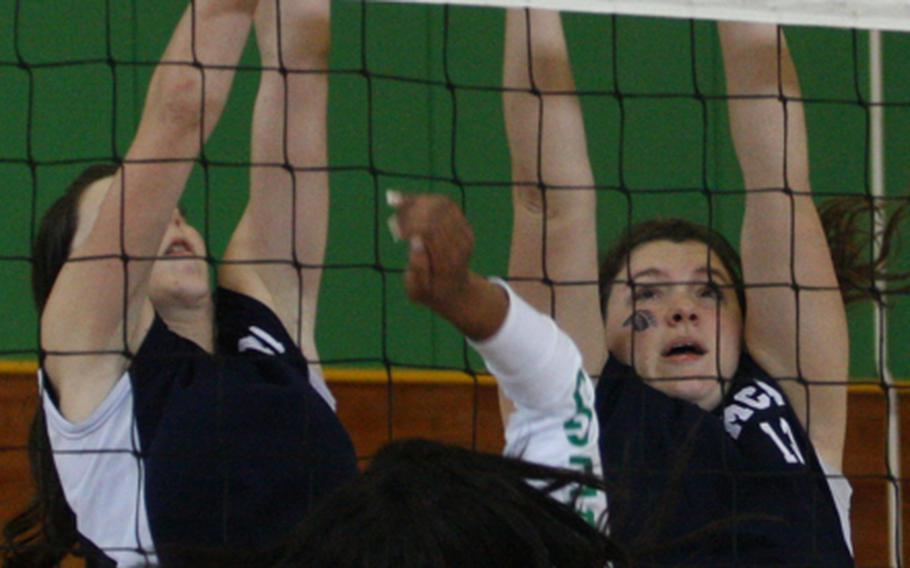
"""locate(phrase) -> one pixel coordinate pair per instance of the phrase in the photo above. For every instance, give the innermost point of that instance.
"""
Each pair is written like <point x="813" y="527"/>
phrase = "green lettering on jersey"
<point x="578" y="428"/>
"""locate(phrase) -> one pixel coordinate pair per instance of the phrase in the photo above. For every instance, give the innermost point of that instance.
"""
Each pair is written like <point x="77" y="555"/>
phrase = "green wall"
<point x="68" y="104"/>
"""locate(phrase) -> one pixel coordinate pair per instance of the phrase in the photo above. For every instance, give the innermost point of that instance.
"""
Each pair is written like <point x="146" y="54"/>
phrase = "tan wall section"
<point x="445" y="411"/>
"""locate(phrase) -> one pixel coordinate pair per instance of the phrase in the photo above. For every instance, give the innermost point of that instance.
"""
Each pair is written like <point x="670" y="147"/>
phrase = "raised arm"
<point x="286" y="218"/>
<point x="554" y="235"/>
<point x="790" y="333"/>
<point x="438" y="273"/>
<point x="84" y="312"/>
<point x="535" y="363"/>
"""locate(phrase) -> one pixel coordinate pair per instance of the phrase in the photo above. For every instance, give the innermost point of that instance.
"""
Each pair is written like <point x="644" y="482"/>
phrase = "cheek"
<point x="731" y="326"/>
<point x="618" y="338"/>
<point x="731" y="336"/>
<point x="199" y="244"/>
<point x="635" y="347"/>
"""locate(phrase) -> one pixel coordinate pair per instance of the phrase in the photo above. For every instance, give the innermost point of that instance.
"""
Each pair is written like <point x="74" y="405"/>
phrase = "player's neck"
<point x="195" y="322"/>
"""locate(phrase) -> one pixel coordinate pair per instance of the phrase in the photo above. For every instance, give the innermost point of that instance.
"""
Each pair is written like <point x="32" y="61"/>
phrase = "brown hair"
<point x="674" y="230"/>
<point x="848" y="226"/>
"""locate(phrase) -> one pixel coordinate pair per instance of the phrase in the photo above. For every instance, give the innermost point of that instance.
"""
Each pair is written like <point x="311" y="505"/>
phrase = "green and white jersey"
<point x="540" y="369"/>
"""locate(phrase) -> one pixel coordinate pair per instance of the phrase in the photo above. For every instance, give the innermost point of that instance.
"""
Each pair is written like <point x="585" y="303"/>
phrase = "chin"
<point x="695" y="390"/>
<point x="182" y="293"/>
<point x="181" y="280"/>
<point x="704" y="392"/>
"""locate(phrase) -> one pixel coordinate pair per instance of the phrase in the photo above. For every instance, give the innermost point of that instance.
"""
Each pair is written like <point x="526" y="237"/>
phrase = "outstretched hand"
<point x="441" y="243"/>
<point x="438" y="274"/>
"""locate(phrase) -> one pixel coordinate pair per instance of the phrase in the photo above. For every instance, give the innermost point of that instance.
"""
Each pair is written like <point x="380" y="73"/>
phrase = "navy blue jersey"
<point x="745" y="474"/>
<point x="201" y="450"/>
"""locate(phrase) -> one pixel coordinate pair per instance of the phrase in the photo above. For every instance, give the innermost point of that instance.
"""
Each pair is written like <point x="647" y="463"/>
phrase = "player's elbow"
<point x="179" y="100"/>
<point x="307" y="41"/>
<point x="552" y="71"/>
<point x="529" y="200"/>
<point x="554" y="204"/>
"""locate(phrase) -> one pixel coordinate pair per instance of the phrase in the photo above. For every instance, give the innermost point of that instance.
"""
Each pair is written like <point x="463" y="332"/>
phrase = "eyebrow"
<point x="712" y="273"/>
<point x="655" y="272"/>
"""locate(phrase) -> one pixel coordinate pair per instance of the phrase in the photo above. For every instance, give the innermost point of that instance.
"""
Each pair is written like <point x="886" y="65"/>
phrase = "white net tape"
<point x="868" y="14"/>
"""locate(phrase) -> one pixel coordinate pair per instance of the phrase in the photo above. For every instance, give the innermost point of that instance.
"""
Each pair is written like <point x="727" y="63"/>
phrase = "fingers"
<point x="441" y="242"/>
<point x="418" y="276"/>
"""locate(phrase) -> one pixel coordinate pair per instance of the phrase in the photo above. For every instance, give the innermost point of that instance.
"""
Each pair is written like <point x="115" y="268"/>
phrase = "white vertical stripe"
<point x="877" y="170"/>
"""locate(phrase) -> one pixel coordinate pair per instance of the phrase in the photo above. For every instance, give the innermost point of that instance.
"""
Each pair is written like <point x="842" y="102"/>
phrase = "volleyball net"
<point x="416" y="105"/>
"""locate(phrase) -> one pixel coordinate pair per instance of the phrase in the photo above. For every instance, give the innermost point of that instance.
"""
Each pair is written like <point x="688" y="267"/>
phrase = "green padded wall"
<point x="395" y="123"/>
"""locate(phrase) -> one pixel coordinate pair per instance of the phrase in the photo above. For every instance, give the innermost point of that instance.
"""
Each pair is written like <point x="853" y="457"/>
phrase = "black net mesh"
<point x="415" y="104"/>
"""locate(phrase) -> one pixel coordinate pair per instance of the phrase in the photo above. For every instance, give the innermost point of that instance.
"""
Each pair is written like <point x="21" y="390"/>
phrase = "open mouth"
<point x="685" y="348"/>
<point x="179" y="247"/>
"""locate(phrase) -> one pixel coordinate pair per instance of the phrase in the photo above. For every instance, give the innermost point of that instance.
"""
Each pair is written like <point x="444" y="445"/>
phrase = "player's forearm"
<point x="185" y="99"/>
<point x="190" y="87"/>
<point x="478" y="310"/>
<point x="290" y="207"/>
<point x="554" y="202"/>
<point x="768" y="133"/>
<point x="545" y="129"/>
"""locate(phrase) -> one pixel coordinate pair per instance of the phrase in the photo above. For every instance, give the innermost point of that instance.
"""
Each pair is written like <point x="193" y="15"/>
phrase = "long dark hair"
<point x="847" y="224"/>
<point x="422" y="504"/>
<point x="425" y="504"/>
<point x="45" y="531"/>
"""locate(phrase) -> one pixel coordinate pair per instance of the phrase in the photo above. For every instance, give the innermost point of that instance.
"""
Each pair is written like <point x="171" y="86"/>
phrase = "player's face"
<point x="180" y="275"/>
<point x="679" y="323"/>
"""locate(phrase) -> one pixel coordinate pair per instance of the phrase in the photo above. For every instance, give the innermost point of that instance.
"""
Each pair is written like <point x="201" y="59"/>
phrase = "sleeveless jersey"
<point x="195" y="450"/>
<point x="746" y="474"/>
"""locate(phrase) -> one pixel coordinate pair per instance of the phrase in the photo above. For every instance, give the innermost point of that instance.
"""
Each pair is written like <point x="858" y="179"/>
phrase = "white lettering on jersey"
<point x="260" y="341"/>
<point x="772" y="392"/>
<point x="734" y="417"/>
<point x="789" y="449"/>
<point x="261" y="334"/>
<point x="750" y="399"/>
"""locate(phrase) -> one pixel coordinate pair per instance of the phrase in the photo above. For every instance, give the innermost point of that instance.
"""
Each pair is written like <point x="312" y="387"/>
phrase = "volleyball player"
<point x="177" y="418"/>
<point x="421" y="503"/>
<point x="717" y="401"/>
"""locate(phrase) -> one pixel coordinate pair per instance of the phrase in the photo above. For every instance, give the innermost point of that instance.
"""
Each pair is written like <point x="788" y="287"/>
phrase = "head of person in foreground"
<point x="423" y="504"/>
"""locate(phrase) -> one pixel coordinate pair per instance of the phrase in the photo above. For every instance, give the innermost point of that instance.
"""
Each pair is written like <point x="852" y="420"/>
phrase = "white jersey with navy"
<point x="540" y="370"/>
<point x="746" y="473"/>
<point x="191" y="449"/>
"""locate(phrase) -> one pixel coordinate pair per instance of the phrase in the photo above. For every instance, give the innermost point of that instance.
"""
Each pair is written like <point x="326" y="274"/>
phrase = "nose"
<point x="682" y="312"/>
